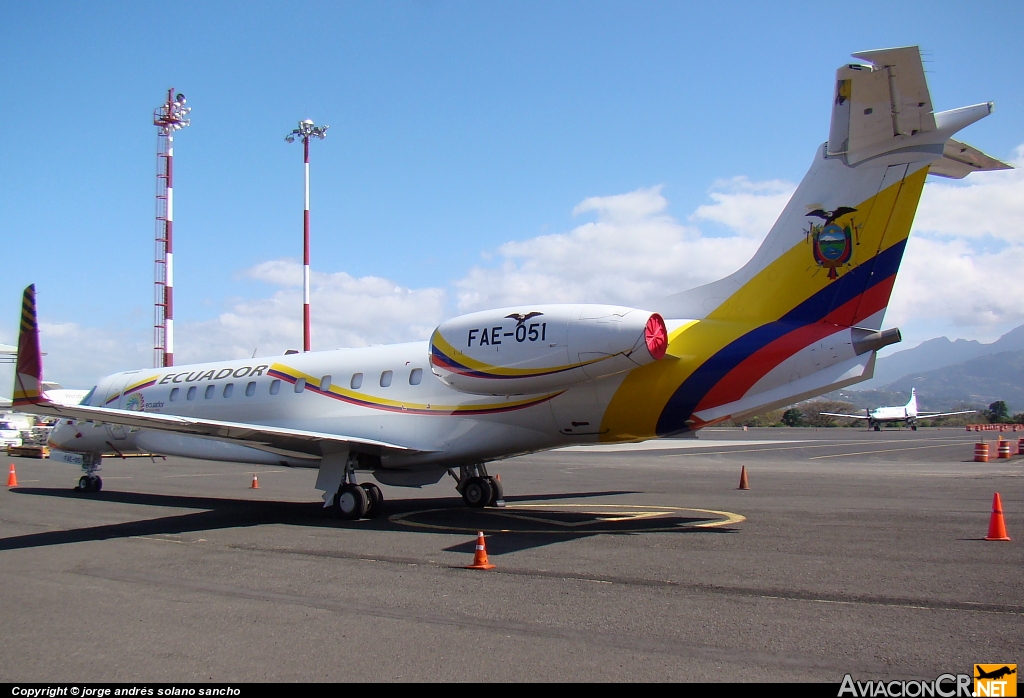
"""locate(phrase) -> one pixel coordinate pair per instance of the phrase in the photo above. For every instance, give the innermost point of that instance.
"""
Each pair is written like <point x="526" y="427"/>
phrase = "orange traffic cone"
<point x="480" y="559"/>
<point x="255" y="483"/>
<point x="744" y="485"/>
<point x="996" y="524"/>
<point x="12" y="477"/>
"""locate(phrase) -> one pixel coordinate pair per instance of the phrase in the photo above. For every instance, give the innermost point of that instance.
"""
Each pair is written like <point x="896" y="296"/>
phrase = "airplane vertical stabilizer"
<point x="792" y="322"/>
<point x="28" y="371"/>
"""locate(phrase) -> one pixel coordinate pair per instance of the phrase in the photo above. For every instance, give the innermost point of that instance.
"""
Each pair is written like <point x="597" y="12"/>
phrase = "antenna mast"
<point x="168" y="118"/>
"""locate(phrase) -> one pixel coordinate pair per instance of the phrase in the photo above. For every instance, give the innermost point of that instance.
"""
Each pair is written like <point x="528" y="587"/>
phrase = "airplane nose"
<point x="63" y="434"/>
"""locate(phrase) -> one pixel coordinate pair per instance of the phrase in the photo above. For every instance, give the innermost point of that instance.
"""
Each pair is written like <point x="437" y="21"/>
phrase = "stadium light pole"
<point x="168" y="118"/>
<point x="305" y="131"/>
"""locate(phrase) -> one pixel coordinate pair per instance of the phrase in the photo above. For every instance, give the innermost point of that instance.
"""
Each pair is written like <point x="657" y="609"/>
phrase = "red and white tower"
<point x="305" y="131"/>
<point x="168" y="118"/>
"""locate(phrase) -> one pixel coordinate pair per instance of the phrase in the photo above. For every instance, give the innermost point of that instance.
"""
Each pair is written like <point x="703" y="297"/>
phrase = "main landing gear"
<point x="478" y="489"/>
<point x="357" y="501"/>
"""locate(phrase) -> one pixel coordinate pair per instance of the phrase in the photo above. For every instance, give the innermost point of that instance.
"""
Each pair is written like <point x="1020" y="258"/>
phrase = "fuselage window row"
<point x="356" y="382"/>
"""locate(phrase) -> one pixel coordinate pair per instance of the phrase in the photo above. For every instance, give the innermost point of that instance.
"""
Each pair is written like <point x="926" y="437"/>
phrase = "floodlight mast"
<point x="168" y="118"/>
<point x="305" y="131"/>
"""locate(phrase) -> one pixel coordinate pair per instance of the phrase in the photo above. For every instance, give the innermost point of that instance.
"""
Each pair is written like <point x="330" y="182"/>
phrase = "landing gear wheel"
<point x="376" y="499"/>
<point x="878" y="428"/>
<point x="497" y="492"/>
<point x="89" y="483"/>
<point x="913" y="428"/>
<point x="351" y="502"/>
<point x="477" y="492"/>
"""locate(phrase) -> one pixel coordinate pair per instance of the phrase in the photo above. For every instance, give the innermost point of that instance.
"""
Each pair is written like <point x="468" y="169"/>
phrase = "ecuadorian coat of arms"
<point x="831" y="242"/>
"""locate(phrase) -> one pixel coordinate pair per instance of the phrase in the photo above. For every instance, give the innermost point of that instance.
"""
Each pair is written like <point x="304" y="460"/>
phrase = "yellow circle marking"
<point x="608" y="513"/>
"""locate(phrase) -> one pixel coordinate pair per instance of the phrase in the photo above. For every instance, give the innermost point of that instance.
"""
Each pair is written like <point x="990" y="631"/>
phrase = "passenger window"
<point x="357" y="381"/>
<point x="325" y="383"/>
<point x="210" y="390"/>
<point x="275" y="387"/>
<point x="191" y="394"/>
<point x="228" y="389"/>
<point x="250" y="389"/>
<point x="416" y="377"/>
<point x="300" y="385"/>
<point x="174" y="394"/>
<point x="385" y="378"/>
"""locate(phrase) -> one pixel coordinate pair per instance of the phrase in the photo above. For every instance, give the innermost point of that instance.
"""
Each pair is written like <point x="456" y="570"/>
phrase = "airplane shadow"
<point x="449" y="514"/>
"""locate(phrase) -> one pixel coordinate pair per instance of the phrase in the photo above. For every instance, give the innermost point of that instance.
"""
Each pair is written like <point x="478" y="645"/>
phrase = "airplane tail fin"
<point x="804" y="315"/>
<point x="833" y="254"/>
<point x="28" y="371"/>
<point x="912" y="403"/>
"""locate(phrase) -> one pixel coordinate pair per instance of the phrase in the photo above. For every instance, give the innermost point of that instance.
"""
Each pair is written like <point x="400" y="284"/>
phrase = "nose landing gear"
<point x="478" y="489"/>
<point x="90" y="481"/>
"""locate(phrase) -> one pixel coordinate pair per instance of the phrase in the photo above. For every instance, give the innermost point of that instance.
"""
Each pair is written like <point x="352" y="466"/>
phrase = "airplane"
<point x="907" y="414"/>
<point x="994" y="674"/>
<point x="801" y="318"/>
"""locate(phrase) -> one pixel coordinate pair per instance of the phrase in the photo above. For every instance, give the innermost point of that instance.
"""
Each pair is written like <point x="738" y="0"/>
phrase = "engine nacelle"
<point x="533" y="349"/>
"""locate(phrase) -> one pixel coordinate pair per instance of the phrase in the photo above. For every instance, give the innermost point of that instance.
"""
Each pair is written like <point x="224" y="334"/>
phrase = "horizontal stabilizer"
<point x="959" y="160"/>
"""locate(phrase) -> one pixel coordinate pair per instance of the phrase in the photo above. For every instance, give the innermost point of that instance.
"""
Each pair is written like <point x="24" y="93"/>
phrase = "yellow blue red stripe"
<point x="360" y="399"/>
<point x="132" y="388"/>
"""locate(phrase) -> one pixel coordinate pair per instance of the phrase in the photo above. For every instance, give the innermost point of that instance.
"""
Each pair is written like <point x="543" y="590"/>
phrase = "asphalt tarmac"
<point x="852" y="552"/>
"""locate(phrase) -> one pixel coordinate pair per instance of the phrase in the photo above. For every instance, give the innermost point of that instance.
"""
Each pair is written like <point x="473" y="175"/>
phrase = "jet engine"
<point x="533" y="349"/>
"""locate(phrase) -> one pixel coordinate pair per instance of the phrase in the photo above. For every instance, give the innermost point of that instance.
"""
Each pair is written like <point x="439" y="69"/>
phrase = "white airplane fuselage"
<point x="446" y="427"/>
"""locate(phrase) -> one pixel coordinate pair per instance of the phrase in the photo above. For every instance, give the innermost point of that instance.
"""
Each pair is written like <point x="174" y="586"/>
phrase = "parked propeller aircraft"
<point x="801" y="318"/>
<point x="906" y="414"/>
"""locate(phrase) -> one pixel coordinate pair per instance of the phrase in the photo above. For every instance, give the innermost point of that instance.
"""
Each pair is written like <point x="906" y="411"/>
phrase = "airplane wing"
<point x="929" y="415"/>
<point x="851" y="416"/>
<point x="30" y="397"/>
<point x="281" y="440"/>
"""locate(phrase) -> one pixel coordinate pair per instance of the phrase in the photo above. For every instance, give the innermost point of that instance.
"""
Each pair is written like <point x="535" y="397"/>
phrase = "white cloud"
<point x="949" y="280"/>
<point x="985" y="203"/>
<point x="346" y="312"/>
<point x="749" y="208"/>
<point x="953" y="280"/>
<point x="634" y="251"/>
<point x="77" y="356"/>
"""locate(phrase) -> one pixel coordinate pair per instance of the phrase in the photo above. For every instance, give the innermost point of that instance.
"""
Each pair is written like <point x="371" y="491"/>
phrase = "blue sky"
<point x="456" y="129"/>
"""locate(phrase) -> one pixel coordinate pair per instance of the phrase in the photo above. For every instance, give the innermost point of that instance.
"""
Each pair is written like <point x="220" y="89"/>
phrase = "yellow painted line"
<point x="885" y="450"/>
<point x="165" y="540"/>
<point x="639" y="513"/>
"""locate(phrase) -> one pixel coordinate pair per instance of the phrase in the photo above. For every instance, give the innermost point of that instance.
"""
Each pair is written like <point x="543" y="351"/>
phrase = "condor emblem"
<point x="831" y="243"/>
